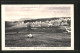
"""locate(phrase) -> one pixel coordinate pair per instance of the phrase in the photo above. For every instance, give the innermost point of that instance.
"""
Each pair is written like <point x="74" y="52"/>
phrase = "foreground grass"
<point x="38" y="40"/>
<point x="42" y="37"/>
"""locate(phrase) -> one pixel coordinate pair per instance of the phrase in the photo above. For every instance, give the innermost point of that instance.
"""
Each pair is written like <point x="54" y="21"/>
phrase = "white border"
<point x="37" y="48"/>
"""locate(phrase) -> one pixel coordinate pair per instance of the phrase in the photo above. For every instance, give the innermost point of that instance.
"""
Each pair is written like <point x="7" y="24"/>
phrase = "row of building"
<point x="47" y="22"/>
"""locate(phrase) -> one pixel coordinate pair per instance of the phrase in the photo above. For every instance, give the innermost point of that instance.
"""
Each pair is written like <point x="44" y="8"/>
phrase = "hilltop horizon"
<point x="22" y="19"/>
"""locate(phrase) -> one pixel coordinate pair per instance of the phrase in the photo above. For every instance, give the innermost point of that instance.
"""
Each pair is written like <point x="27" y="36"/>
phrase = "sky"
<point x="17" y="12"/>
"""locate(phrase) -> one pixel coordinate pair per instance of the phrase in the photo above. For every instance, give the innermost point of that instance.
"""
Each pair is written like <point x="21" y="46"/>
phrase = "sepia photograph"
<point x="37" y="27"/>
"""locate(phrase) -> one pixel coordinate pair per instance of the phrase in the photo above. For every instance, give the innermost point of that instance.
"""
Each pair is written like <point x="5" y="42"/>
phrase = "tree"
<point x="29" y="27"/>
<point x="69" y="22"/>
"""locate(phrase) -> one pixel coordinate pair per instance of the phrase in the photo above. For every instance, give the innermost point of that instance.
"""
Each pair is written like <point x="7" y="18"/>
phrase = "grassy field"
<point x="16" y="36"/>
<point x="40" y="39"/>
